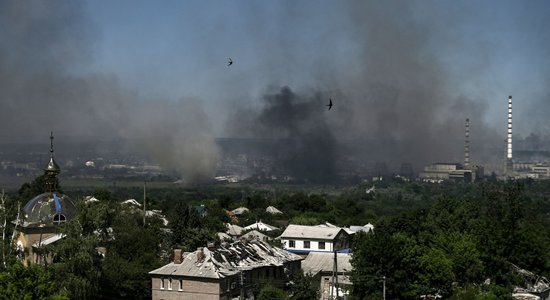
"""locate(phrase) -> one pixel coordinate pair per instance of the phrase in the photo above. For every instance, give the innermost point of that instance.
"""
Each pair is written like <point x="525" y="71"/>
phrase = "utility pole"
<point x="384" y="287"/>
<point x="242" y="285"/>
<point x="3" y="208"/>
<point x="144" y="207"/>
<point x="336" y="271"/>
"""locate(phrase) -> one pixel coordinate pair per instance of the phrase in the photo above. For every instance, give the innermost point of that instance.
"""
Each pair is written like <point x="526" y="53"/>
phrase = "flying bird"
<point x="329" y="103"/>
<point x="229" y="62"/>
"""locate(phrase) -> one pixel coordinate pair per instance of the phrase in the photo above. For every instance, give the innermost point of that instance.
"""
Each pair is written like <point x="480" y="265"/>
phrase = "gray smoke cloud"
<point x="303" y="143"/>
<point x="43" y="45"/>
<point x="397" y="103"/>
<point x="384" y="64"/>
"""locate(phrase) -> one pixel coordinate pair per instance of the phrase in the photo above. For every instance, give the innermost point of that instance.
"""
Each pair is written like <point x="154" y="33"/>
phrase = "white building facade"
<point x="305" y="239"/>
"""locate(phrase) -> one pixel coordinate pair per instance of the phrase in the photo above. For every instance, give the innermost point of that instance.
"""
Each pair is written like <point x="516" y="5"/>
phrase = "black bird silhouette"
<point x="329" y="103"/>
<point x="230" y="62"/>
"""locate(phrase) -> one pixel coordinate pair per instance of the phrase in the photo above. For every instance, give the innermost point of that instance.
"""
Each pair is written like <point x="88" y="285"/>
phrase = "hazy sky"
<point x="403" y="76"/>
<point x="173" y="49"/>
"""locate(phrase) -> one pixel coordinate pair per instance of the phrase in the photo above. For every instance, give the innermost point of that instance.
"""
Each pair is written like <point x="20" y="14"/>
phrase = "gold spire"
<point x="52" y="170"/>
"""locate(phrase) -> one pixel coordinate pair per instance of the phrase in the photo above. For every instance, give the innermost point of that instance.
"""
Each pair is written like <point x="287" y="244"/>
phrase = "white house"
<point x="305" y="239"/>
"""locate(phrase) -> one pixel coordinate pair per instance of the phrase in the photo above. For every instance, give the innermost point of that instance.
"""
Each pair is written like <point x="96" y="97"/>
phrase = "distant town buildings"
<point x="439" y="172"/>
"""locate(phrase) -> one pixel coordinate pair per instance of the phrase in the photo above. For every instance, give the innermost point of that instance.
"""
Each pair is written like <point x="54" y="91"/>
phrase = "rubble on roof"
<point x="535" y="285"/>
<point x="228" y="259"/>
<point x="254" y="234"/>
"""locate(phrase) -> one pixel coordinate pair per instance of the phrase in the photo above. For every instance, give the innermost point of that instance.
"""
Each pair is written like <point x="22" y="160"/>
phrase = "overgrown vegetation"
<point x="445" y="239"/>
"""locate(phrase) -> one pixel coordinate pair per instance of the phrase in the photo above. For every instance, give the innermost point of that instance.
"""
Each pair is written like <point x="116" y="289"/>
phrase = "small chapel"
<point x="42" y="217"/>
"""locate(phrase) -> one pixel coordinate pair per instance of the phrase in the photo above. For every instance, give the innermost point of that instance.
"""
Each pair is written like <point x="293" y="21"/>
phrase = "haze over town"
<point x="274" y="150"/>
<point x="403" y="76"/>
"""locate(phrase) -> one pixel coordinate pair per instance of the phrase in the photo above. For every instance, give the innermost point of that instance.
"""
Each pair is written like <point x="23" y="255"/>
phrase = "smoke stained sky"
<point x="403" y="74"/>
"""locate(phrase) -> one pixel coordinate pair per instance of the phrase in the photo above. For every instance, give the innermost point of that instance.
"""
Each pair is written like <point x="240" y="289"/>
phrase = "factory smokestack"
<point x="509" y="163"/>
<point x="467" y="144"/>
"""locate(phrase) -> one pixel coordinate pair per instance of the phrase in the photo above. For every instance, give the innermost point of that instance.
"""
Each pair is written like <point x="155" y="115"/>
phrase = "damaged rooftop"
<point x="226" y="260"/>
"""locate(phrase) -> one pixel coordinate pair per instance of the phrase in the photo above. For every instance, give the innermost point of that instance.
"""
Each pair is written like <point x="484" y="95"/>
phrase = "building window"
<point x="306" y="244"/>
<point x="321" y="245"/>
<point x="162" y="283"/>
<point x="169" y="284"/>
<point x="181" y="285"/>
<point x="291" y="244"/>
<point x="59" y="218"/>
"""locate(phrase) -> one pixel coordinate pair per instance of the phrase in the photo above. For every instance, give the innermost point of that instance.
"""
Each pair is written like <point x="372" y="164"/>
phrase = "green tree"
<point x="271" y="293"/>
<point x="131" y="254"/>
<point x="31" y="282"/>
<point x="461" y="250"/>
<point x="77" y="263"/>
<point x="395" y="256"/>
<point x="435" y="272"/>
<point x="305" y="287"/>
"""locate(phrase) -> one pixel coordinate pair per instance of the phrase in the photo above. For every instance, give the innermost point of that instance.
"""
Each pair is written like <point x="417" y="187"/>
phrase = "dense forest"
<point x="458" y="241"/>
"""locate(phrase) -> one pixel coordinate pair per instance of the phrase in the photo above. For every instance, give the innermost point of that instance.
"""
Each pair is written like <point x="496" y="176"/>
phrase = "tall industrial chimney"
<point x="509" y="163"/>
<point x="467" y="144"/>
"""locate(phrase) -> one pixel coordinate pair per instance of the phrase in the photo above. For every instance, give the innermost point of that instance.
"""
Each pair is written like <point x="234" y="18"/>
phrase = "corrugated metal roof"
<point x="254" y="234"/>
<point x="273" y="210"/>
<point x="316" y="262"/>
<point x="310" y="232"/>
<point x="50" y="240"/>
<point x="261" y="226"/>
<point x="227" y="260"/>
<point x="240" y="210"/>
<point x="233" y="230"/>
<point x="223" y="236"/>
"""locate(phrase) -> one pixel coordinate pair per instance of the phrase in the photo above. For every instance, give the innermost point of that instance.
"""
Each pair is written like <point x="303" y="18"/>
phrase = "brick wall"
<point x="196" y="288"/>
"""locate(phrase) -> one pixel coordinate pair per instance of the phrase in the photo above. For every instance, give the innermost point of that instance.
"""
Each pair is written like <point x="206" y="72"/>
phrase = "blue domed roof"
<point x="45" y="209"/>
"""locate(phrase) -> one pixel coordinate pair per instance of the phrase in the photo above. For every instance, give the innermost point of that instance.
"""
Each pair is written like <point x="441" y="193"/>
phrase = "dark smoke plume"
<point x="396" y="103"/>
<point x="306" y="145"/>
<point x="44" y="48"/>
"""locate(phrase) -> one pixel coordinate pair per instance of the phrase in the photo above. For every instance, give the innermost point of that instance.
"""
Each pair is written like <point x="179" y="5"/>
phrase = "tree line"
<point x="454" y="240"/>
